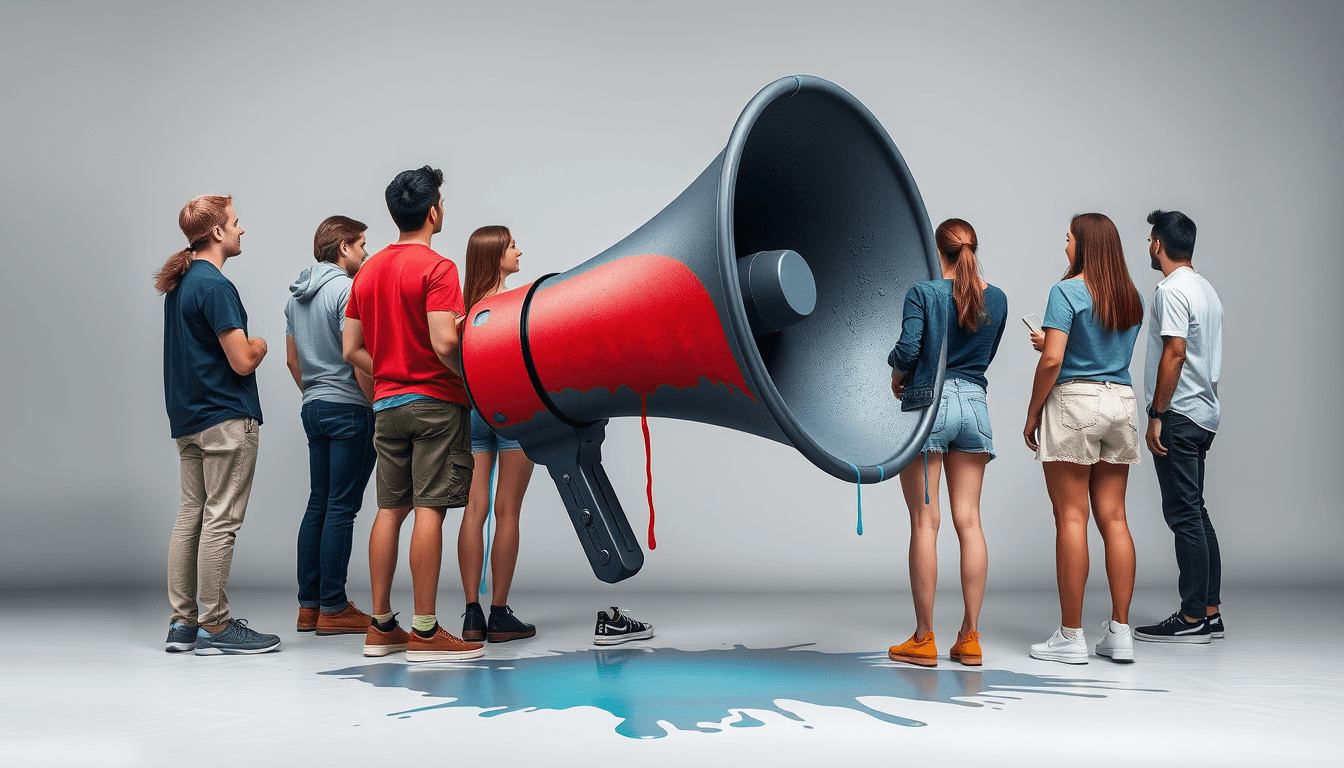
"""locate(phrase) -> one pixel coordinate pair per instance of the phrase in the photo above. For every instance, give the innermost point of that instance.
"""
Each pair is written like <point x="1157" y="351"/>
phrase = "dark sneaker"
<point x="181" y="638"/>
<point x="234" y="639"/>
<point x="504" y="626"/>
<point x="1175" y="629"/>
<point x="619" y="628"/>
<point x="1215" y="623"/>
<point x="473" y="623"/>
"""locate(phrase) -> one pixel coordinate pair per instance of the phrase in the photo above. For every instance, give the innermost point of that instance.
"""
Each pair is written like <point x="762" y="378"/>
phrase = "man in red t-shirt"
<point x="401" y="328"/>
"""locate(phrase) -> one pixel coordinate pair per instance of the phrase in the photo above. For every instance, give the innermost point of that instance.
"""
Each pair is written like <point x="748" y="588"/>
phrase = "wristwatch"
<point x="1155" y="414"/>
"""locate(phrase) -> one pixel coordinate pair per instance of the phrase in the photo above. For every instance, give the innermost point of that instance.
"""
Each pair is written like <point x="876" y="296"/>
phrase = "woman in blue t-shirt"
<point x="1081" y="424"/>
<point x="970" y="312"/>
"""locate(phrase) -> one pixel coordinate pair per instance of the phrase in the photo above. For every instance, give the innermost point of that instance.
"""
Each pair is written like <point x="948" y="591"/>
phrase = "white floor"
<point x="87" y="682"/>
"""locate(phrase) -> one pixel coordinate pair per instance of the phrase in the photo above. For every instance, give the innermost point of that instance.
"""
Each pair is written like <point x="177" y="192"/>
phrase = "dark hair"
<point x="957" y="243"/>
<point x="1176" y="231"/>
<point x="1100" y="258"/>
<point x="411" y="195"/>
<point x="333" y="231"/>
<point x="197" y="219"/>
<point x="485" y="249"/>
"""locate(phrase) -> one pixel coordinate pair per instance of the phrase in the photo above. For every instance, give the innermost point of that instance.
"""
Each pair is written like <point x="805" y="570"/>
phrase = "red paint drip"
<point x="648" y="465"/>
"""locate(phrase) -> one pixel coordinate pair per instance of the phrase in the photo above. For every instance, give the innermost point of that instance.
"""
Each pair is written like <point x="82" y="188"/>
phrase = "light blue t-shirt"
<point x="1093" y="353"/>
<point x="1186" y="306"/>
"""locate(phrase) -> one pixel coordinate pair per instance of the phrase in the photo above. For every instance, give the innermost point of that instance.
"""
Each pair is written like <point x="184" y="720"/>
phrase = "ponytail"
<point x="170" y="274"/>
<point x="197" y="219"/>
<point x="957" y="244"/>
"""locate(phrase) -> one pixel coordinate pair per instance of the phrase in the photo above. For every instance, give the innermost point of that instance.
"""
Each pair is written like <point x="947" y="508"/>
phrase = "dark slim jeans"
<point x="340" y="460"/>
<point x="1180" y="475"/>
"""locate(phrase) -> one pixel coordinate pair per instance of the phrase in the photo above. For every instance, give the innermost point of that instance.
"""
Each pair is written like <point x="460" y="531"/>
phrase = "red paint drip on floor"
<point x="648" y="465"/>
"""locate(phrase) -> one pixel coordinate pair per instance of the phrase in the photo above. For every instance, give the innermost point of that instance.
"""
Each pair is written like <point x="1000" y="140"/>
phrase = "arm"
<point x="292" y="361"/>
<point x="443" y="338"/>
<point x="365" y="384"/>
<point x="1047" y="373"/>
<point x="903" y="356"/>
<point x="1168" y="373"/>
<point x="244" y="353"/>
<point x="353" y="349"/>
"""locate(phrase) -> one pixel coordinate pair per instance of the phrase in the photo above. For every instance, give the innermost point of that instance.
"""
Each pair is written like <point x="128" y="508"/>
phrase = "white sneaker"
<point x="1070" y="650"/>
<point x="1117" y="642"/>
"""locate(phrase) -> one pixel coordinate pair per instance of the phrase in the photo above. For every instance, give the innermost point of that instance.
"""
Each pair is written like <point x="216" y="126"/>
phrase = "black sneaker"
<point x="619" y="628"/>
<point x="237" y="637"/>
<point x="181" y="638"/>
<point x="473" y="623"/>
<point x="504" y="626"/>
<point x="1215" y="623"/>
<point x="1175" y="629"/>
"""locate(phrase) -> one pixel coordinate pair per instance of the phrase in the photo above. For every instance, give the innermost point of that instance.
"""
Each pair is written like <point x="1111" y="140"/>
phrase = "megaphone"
<point x="764" y="299"/>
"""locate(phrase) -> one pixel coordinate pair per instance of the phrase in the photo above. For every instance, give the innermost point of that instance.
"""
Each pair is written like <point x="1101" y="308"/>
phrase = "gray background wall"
<point x="573" y="125"/>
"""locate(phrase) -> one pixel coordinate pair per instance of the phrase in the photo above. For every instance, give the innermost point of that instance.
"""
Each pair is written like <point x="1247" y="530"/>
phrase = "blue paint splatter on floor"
<point x="690" y="688"/>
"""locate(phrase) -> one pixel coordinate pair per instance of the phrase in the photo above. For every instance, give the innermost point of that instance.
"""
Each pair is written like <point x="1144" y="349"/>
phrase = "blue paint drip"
<point x="858" y="489"/>
<point x="489" y="521"/>
<point x="926" y="478"/>
<point x="643" y="686"/>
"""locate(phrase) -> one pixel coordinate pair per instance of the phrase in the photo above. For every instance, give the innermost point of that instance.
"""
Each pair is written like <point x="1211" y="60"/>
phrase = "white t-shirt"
<point x="1185" y="305"/>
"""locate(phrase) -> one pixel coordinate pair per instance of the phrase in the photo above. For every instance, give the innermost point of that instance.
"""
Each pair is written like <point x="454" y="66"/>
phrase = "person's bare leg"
<point x="1108" y="507"/>
<point x="515" y="472"/>
<point x="470" y="537"/>
<point x="965" y="477"/>
<point x="384" y="540"/>
<point x="1067" y="483"/>
<point x="426" y="557"/>
<point x="923" y="537"/>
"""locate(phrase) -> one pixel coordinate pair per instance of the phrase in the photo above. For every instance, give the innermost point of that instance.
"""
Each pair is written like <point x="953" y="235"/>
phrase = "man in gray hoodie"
<point x="338" y="419"/>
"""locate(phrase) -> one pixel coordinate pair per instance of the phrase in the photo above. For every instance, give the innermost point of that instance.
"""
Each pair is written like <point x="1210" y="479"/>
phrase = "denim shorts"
<point x="484" y="439"/>
<point x="1084" y="422"/>
<point x="962" y="423"/>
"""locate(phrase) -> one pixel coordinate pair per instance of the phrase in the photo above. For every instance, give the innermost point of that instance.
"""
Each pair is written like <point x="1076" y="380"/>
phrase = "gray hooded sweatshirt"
<point x="315" y="317"/>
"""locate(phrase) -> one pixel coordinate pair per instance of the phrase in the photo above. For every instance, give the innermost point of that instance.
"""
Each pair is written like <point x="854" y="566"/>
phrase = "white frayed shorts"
<point x="1084" y="422"/>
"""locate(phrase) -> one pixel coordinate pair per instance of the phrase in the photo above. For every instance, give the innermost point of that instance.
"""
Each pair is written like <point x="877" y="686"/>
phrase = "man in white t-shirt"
<point x="1185" y="358"/>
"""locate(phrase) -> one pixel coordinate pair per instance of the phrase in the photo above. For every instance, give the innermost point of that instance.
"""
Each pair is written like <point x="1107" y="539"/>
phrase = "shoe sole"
<point x="1060" y="658"/>
<point x="217" y="651"/>
<point x="919" y="660"/>
<point x="178" y="647"/>
<point x="1120" y="657"/>
<point x="504" y="637"/>
<point x="444" y="655"/>
<point x="969" y="661"/>
<point x="618" y="639"/>
<point x="306" y="629"/>
<point x="473" y="637"/>
<point x="384" y="650"/>
<point x="326" y="632"/>
<point x="1188" y="639"/>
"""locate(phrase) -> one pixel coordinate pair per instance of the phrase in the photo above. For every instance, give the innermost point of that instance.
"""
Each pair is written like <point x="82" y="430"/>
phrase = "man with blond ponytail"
<point x="215" y="415"/>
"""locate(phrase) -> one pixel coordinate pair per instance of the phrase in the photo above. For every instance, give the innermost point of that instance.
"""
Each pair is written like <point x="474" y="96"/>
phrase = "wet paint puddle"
<point x="643" y="686"/>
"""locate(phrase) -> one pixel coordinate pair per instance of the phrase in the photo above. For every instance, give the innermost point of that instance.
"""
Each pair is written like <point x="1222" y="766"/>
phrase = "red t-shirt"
<point x="391" y="296"/>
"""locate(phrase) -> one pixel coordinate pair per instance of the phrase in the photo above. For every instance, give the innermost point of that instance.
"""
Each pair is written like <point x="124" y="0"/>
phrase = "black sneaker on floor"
<point x="1215" y="623"/>
<point x="181" y="638"/>
<point x="504" y="626"/>
<point x="619" y="628"/>
<point x="473" y="623"/>
<point x="1175" y="629"/>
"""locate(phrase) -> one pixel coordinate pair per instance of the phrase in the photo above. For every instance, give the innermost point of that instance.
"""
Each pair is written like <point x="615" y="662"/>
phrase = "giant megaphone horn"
<point x="765" y="299"/>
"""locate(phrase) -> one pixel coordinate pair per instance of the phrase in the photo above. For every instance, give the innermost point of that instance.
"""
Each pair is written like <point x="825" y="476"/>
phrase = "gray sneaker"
<point x="235" y="638"/>
<point x="181" y="638"/>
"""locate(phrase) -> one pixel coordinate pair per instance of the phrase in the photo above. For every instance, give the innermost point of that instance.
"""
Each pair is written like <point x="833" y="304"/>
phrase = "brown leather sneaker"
<point x="307" y="619"/>
<point x="348" y="621"/>
<point x="912" y="651"/>
<point x="380" y="643"/>
<point x="967" y="649"/>
<point x="442" y="646"/>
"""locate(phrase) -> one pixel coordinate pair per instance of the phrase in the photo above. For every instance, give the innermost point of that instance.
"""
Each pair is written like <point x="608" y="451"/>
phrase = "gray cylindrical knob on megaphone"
<point x="778" y="290"/>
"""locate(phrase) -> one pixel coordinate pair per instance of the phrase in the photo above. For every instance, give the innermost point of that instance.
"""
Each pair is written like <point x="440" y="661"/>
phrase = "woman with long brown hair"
<point x="492" y="255"/>
<point x="1081" y="424"/>
<point x="969" y="313"/>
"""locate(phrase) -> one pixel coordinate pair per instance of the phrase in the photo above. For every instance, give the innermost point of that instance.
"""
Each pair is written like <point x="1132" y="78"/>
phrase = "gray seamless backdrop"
<point x="575" y="123"/>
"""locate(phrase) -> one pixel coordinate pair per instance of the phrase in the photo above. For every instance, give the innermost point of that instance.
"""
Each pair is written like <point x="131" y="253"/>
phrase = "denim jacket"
<point x="923" y="335"/>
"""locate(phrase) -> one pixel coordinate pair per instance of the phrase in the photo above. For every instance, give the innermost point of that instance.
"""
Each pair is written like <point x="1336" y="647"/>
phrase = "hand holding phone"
<point x="1033" y="322"/>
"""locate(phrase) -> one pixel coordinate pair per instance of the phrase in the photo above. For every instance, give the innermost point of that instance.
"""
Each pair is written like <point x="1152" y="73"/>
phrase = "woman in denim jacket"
<point x="970" y="313"/>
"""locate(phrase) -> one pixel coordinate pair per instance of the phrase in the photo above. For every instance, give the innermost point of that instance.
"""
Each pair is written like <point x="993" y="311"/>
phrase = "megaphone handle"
<point x="574" y="459"/>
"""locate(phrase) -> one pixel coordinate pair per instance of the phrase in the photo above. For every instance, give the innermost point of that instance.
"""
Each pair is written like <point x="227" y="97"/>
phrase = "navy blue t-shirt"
<point x="199" y="387"/>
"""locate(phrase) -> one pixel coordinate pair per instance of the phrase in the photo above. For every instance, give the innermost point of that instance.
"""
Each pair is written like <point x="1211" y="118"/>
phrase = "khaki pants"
<point x="217" y="468"/>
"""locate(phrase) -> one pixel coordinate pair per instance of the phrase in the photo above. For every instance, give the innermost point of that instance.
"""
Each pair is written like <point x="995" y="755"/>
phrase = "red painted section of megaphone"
<point x="492" y="351"/>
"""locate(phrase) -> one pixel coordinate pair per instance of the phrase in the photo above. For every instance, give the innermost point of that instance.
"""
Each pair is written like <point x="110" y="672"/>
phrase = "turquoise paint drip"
<point x="926" y="478"/>
<point x="489" y="522"/>
<point x="858" y="489"/>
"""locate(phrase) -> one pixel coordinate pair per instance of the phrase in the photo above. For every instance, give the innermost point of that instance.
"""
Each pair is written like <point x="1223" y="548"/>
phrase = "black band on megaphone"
<point x="532" y="368"/>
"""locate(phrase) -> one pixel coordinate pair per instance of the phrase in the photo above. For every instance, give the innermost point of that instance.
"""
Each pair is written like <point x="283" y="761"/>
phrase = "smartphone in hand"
<point x="1033" y="322"/>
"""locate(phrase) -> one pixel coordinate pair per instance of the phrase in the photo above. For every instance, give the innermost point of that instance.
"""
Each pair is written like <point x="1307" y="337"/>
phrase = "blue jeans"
<point x="962" y="423"/>
<point x="1180" y="476"/>
<point x="340" y="460"/>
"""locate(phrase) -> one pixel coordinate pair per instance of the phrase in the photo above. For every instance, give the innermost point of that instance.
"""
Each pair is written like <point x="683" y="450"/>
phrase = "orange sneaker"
<point x="912" y="651"/>
<point x="442" y="646"/>
<point x="307" y="619"/>
<point x="347" y="621"/>
<point x="967" y="649"/>
<point x="380" y="643"/>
